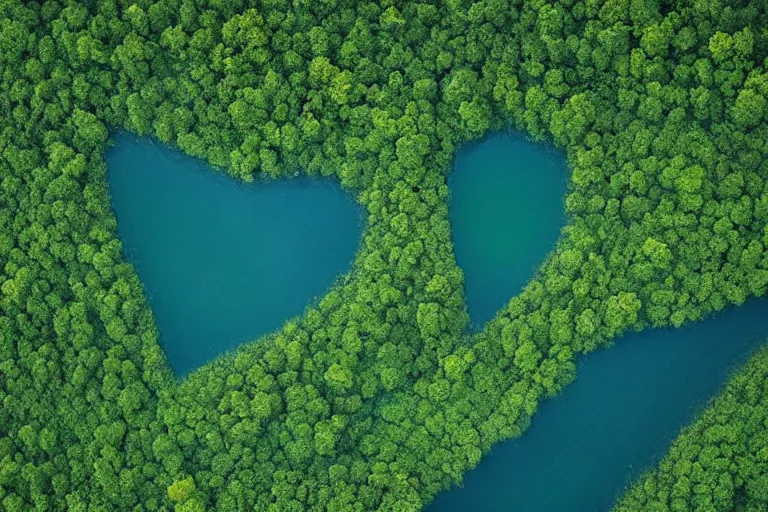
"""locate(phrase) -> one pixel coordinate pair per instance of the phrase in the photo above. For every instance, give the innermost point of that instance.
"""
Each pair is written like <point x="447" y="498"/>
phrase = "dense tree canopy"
<point x="373" y="399"/>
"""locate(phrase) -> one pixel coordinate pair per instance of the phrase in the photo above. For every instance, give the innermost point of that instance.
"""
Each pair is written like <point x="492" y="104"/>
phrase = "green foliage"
<point x="181" y="490"/>
<point x="375" y="399"/>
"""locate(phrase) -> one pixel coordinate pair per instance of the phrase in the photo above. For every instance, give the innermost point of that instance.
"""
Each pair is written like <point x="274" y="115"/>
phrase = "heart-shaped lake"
<point x="224" y="262"/>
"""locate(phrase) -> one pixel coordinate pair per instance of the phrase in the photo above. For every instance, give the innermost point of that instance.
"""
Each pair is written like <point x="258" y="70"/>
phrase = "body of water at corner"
<point x="617" y="419"/>
<point x="224" y="262"/>
<point x="506" y="213"/>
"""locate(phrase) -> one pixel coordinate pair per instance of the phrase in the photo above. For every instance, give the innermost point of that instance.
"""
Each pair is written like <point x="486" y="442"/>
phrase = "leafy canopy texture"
<point x="374" y="399"/>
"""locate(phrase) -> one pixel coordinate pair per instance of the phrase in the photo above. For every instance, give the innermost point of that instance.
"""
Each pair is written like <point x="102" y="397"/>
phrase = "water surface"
<point x="224" y="262"/>
<point x="618" y="418"/>
<point x="628" y="402"/>
<point x="506" y="212"/>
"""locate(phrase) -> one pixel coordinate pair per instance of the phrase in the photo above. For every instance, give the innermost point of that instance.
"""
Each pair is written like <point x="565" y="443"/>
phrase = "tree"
<point x="375" y="398"/>
<point x="749" y="109"/>
<point x="181" y="489"/>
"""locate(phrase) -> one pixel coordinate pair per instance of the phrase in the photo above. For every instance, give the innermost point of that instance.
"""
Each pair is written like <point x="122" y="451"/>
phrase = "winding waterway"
<point x="618" y="418"/>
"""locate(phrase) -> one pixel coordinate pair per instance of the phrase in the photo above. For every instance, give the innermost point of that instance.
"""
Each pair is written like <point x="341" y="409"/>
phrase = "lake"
<point x="224" y="262"/>
<point x="628" y="402"/>
<point x="506" y="213"/>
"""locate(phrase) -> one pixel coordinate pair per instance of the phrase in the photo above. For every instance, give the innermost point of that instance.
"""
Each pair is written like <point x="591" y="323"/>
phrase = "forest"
<point x="375" y="398"/>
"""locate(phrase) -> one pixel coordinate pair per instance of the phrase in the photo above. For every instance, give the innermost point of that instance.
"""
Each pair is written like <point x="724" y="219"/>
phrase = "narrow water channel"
<point x="618" y="418"/>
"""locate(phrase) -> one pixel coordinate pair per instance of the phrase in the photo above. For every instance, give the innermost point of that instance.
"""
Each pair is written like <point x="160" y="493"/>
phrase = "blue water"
<point x="506" y="212"/>
<point x="223" y="262"/>
<point x="627" y="404"/>
<point x="628" y="401"/>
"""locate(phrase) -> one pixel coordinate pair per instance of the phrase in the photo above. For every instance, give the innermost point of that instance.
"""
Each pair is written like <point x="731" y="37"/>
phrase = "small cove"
<point x="224" y="262"/>
<point x="506" y="213"/>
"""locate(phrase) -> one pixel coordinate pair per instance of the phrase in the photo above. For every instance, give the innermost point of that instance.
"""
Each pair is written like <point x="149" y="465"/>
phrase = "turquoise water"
<point x="224" y="262"/>
<point x="627" y="404"/>
<point x="506" y="212"/>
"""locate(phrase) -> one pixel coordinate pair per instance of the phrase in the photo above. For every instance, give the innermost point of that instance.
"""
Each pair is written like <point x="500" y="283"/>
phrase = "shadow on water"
<point x="224" y="262"/>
